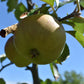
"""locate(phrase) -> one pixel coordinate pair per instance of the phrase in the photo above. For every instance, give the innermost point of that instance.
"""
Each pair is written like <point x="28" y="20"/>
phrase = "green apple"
<point x="13" y="55"/>
<point x="40" y="38"/>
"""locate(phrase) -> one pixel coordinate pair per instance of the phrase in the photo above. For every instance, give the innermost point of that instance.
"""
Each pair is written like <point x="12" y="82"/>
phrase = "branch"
<point x="29" y="4"/>
<point x="11" y="29"/>
<point x="34" y="71"/>
<point x="73" y="14"/>
<point x="6" y="66"/>
<point x="28" y="68"/>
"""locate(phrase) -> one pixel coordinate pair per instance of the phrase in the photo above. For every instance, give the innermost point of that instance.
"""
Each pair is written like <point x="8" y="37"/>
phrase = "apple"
<point x="40" y="38"/>
<point x="13" y="55"/>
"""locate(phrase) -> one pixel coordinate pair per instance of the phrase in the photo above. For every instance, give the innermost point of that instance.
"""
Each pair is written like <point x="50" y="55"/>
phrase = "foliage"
<point x="72" y="78"/>
<point x="2" y="81"/>
<point x="68" y="78"/>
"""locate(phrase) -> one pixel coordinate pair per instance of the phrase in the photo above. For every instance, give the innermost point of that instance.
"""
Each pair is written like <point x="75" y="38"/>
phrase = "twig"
<point x="28" y="68"/>
<point x="11" y="29"/>
<point x="6" y="66"/>
<point x="73" y="14"/>
<point x="78" y="5"/>
<point x="30" y="5"/>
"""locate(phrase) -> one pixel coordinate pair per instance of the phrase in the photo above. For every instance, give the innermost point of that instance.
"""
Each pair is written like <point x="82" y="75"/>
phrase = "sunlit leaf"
<point x="57" y="3"/>
<point x="82" y="2"/>
<point x="78" y="24"/>
<point x="2" y="58"/>
<point x="64" y="55"/>
<point x="12" y="5"/>
<point x="54" y="70"/>
<point x="50" y="2"/>
<point x="79" y="36"/>
<point x="19" y="10"/>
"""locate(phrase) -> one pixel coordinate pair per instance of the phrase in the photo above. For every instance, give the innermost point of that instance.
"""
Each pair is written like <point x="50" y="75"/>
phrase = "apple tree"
<point x="39" y="36"/>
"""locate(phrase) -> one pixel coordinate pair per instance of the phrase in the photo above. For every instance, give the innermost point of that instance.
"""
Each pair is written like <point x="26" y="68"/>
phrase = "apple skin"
<point x="40" y="38"/>
<point x="13" y="55"/>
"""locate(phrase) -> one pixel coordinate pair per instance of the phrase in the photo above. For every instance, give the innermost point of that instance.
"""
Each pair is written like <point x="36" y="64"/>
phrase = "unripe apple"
<point x="40" y="38"/>
<point x="13" y="55"/>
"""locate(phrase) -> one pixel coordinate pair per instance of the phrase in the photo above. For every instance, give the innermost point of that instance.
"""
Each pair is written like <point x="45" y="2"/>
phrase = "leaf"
<point x="2" y="58"/>
<point x="3" y="0"/>
<point x="48" y="81"/>
<point x="2" y="81"/>
<point x="12" y="5"/>
<point x="78" y="24"/>
<point x="19" y="10"/>
<point x="65" y="2"/>
<point x="79" y="36"/>
<point x="44" y="9"/>
<point x="57" y="3"/>
<point x="54" y="70"/>
<point x="82" y="3"/>
<point x="64" y="55"/>
<point x="50" y="2"/>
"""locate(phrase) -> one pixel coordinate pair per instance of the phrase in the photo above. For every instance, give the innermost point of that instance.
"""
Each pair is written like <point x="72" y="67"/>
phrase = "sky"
<point x="13" y="74"/>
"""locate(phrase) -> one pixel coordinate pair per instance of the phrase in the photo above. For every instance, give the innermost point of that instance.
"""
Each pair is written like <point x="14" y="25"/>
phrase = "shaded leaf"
<point x="2" y="81"/>
<point x="42" y="9"/>
<point x="3" y="0"/>
<point x="19" y="10"/>
<point x="22" y="83"/>
<point x="54" y="70"/>
<point x="72" y="33"/>
<point x="12" y="5"/>
<point x="65" y="2"/>
<point x="48" y="81"/>
<point x="50" y="2"/>
<point x="2" y="58"/>
<point x="64" y="55"/>
<point x="79" y="36"/>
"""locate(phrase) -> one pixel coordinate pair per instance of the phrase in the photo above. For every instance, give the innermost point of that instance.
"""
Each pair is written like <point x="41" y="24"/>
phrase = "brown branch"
<point x="35" y="75"/>
<point x="29" y="4"/>
<point x="11" y="29"/>
<point x="73" y="14"/>
<point x="6" y="66"/>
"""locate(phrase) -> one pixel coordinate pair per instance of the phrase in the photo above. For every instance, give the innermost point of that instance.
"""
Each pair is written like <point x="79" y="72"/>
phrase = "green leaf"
<point x="2" y="81"/>
<point x="54" y="70"/>
<point x="19" y="10"/>
<point x="44" y="10"/>
<point x="79" y="36"/>
<point x="3" y="0"/>
<point x="50" y="2"/>
<point x="12" y="5"/>
<point x="82" y="3"/>
<point x="64" y="55"/>
<point x="48" y="81"/>
<point x="78" y="24"/>
<point x="57" y="3"/>
<point x="2" y="58"/>
<point x="65" y="2"/>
